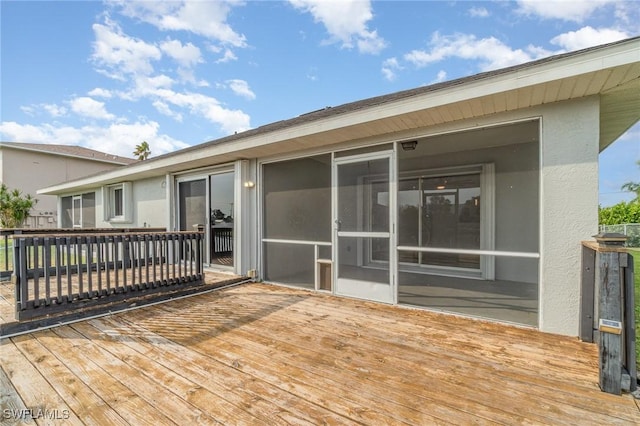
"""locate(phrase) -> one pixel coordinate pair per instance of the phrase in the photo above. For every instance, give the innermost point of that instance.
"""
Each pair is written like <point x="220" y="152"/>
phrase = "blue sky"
<point x="108" y="75"/>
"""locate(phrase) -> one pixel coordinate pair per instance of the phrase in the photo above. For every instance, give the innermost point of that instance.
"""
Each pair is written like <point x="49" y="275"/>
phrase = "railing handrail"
<point x="85" y="234"/>
<point x="31" y="231"/>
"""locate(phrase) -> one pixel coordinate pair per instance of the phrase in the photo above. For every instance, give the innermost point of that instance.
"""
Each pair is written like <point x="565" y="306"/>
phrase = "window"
<point x="118" y="202"/>
<point x="78" y="211"/>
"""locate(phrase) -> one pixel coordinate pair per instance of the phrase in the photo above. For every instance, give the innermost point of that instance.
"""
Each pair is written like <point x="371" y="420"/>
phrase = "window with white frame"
<point x="118" y="202"/>
<point x="442" y="208"/>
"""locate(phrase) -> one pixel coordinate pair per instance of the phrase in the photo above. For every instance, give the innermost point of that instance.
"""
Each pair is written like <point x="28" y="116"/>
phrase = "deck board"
<point x="10" y="400"/>
<point x="262" y="354"/>
<point x="231" y="385"/>
<point x="314" y="349"/>
<point x="31" y="386"/>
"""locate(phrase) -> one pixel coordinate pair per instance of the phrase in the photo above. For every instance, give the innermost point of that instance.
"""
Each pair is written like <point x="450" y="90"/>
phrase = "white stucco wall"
<point x="569" y="208"/>
<point x="149" y="198"/>
<point x="149" y="205"/>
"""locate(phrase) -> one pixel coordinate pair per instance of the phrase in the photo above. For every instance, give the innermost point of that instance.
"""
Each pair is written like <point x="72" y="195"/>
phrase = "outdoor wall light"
<point x="249" y="184"/>
<point x="409" y="145"/>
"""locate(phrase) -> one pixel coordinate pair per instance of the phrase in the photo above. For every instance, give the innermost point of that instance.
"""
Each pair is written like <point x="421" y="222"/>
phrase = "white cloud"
<point x="206" y="18"/>
<point x="491" y="52"/>
<point x="390" y="67"/>
<point x="241" y="88"/>
<point x="52" y="109"/>
<point x="122" y="54"/>
<point x="186" y="55"/>
<point x="587" y="37"/>
<point x="345" y="21"/>
<point x="163" y="108"/>
<point x="440" y="77"/>
<point x="478" y="12"/>
<point x="28" y="109"/>
<point x="88" y="107"/>
<point x="227" y="57"/>
<point x="230" y="121"/>
<point x="119" y="139"/>
<point x="566" y="10"/>
<point x="100" y="93"/>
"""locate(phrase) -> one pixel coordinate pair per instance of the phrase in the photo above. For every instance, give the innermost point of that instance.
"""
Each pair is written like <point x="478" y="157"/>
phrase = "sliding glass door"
<point x="207" y="203"/>
<point x="221" y="199"/>
<point x="192" y="201"/>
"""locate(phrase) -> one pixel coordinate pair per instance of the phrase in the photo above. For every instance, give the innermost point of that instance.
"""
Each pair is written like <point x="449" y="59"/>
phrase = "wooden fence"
<point x="62" y="272"/>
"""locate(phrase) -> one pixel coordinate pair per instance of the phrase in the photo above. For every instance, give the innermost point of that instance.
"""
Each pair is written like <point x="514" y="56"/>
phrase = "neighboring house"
<point x="29" y="166"/>
<point x="469" y="196"/>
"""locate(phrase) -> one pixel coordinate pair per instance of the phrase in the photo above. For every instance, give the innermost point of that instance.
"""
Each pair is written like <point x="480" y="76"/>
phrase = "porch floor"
<point x="264" y="354"/>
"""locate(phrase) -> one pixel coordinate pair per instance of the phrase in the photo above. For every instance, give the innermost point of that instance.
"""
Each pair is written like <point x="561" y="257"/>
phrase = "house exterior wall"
<point x="567" y="185"/>
<point x="29" y="171"/>
<point x="569" y="181"/>
<point x="149" y="205"/>
<point x="149" y="197"/>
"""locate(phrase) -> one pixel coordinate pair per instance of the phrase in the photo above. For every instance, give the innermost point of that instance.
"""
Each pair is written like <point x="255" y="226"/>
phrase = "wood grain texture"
<point x="263" y="354"/>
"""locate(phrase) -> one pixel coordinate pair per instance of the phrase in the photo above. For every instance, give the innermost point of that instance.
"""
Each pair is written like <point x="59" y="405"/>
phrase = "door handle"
<point x="338" y="223"/>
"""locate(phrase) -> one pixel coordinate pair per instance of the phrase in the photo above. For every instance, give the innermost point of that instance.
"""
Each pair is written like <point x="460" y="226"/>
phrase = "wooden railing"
<point x="6" y="242"/>
<point x="607" y="313"/>
<point x="221" y="240"/>
<point x="63" y="272"/>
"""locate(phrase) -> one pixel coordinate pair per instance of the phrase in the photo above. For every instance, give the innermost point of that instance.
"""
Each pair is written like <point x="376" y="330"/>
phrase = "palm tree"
<point x="14" y="207"/>
<point x="142" y="151"/>
<point x="633" y="187"/>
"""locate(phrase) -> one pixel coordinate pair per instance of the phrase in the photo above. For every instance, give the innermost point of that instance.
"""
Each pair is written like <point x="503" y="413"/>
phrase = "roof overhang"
<point x="28" y="148"/>
<point x="611" y="72"/>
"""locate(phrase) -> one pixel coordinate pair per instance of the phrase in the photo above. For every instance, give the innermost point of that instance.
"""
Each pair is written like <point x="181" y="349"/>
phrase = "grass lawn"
<point x="6" y="255"/>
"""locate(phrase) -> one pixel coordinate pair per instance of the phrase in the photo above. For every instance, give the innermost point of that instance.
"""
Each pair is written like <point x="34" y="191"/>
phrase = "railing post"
<point x="587" y="284"/>
<point x="199" y="258"/>
<point x="630" y="324"/>
<point x="609" y="278"/>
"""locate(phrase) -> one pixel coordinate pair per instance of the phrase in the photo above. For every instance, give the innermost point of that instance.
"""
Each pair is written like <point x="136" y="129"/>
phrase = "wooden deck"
<point x="261" y="354"/>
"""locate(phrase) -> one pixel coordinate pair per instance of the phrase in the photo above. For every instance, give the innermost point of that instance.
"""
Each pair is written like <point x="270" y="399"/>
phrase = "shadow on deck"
<point x="9" y="325"/>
